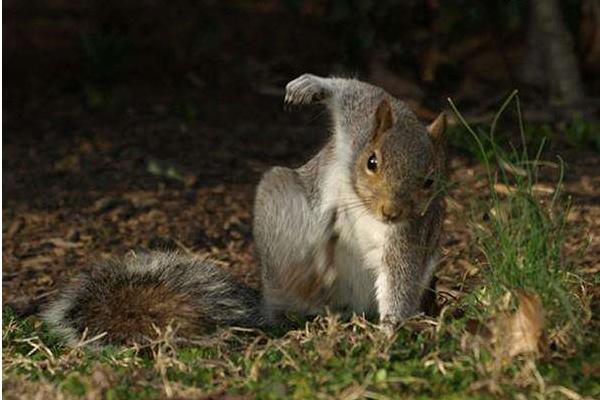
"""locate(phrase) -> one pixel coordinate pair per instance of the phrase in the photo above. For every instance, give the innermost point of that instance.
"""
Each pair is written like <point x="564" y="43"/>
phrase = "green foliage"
<point x="465" y="145"/>
<point x="15" y="331"/>
<point x="524" y="235"/>
<point x="579" y="133"/>
<point x="582" y="133"/>
<point x="72" y="384"/>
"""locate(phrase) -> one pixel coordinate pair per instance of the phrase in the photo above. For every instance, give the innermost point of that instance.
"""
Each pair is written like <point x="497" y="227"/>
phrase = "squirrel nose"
<point x="388" y="212"/>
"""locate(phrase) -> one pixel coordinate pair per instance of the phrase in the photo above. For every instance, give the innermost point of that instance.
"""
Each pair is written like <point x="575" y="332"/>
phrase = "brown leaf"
<point x="520" y="332"/>
<point x="504" y="189"/>
<point x="105" y="204"/>
<point x="34" y="262"/>
<point x="527" y="325"/>
<point x="538" y="188"/>
<point x="63" y="244"/>
<point x="543" y="189"/>
<point x="14" y="228"/>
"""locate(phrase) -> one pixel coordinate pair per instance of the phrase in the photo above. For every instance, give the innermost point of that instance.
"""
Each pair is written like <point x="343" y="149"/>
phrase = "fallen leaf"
<point x="504" y="189"/>
<point x="14" y="228"/>
<point x="512" y="168"/>
<point x="538" y="188"/>
<point x="63" y="244"/>
<point x="34" y="262"/>
<point x="527" y="325"/>
<point x="105" y="203"/>
<point x="543" y="189"/>
<point x="520" y="332"/>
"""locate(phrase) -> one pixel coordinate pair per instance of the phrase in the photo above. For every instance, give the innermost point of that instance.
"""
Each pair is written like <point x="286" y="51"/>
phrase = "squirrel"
<point x="356" y="229"/>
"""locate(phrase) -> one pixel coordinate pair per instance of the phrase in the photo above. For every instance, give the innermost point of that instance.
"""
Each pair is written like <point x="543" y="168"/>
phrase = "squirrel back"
<point x="125" y="298"/>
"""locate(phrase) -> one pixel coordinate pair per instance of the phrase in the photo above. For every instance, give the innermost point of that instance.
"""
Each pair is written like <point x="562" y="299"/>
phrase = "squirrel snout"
<point x="389" y="212"/>
<point x="396" y="209"/>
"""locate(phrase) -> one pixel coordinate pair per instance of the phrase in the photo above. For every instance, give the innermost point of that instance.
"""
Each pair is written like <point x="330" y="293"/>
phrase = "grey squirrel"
<point x="354" y="230"/>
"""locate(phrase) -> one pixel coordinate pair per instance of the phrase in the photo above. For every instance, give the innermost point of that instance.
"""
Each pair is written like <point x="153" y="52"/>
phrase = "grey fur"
<point x="320" y="243"/>
<point x="220" y="300"/>
<point x="297" y="215"/>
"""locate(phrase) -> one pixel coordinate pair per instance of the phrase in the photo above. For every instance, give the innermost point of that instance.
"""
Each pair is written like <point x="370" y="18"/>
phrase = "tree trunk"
<point x="559" y="64"/>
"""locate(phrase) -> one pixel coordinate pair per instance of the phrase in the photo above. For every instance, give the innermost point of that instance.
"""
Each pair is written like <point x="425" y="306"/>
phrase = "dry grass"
<point x="428" y="358"/>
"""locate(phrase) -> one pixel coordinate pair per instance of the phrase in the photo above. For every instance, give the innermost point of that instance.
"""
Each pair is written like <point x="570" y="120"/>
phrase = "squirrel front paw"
<point x="307" y="89"/>
<point x="389" y="325"/>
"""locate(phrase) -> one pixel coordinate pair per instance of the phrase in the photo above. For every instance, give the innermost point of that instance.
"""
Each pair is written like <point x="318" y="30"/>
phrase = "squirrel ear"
<point x="437" y="129"/>
<point x="384" y="117"/>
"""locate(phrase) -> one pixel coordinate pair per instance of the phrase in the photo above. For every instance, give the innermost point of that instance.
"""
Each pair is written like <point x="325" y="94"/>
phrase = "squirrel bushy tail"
<point x="355" y="229"/>
<point x="126" y="298"/>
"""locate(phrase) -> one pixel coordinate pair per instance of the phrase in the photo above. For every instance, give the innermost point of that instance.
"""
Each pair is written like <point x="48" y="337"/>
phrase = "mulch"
<point x="81" y="185"/>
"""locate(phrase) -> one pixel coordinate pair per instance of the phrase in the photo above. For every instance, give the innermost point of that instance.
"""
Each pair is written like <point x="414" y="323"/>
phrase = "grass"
<point x="519" y="230"/>
<point x="325" y="360"/>
<point x="525" y="233"/>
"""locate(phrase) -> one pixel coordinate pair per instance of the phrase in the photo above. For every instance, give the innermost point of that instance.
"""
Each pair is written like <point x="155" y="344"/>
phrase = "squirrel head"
<point x="398" y="171"/>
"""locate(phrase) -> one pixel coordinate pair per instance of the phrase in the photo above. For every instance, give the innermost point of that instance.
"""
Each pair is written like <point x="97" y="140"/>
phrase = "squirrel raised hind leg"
<point x="351" y="104"/>
<point x="295" y="243"/>
<point x="380" y="178"/>
<point x="334" y="92"/>
<point x="309" y="89"/>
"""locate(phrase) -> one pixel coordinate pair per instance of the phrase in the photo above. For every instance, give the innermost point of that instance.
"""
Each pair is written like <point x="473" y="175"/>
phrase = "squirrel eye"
<point x="372" y="163"/>
<point x="428" y="183"/>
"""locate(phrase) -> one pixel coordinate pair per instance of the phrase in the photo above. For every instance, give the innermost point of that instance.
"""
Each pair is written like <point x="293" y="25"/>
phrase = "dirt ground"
<point x="80" y="186"/>
<point x="171" y="157"/>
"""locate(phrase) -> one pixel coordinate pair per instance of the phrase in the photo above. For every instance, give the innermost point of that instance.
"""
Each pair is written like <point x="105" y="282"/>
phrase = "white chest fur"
<point x="359" y="250"/>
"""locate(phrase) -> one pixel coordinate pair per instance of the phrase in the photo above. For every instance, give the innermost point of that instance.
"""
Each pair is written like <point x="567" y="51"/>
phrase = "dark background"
<point x="147" y="124"/>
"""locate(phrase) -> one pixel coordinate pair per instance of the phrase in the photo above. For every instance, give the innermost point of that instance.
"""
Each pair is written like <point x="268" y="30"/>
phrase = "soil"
<point x="171" y="162"/>
<point x="79" y="187"/>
